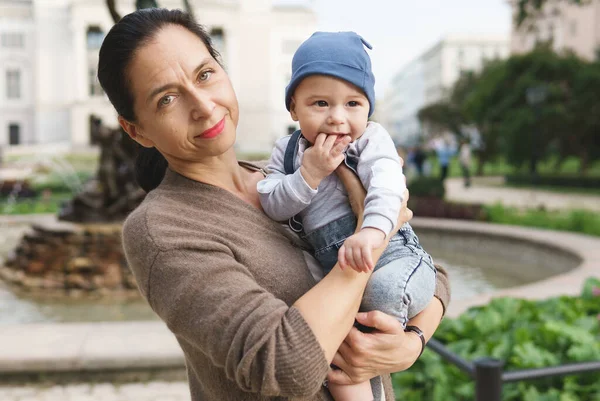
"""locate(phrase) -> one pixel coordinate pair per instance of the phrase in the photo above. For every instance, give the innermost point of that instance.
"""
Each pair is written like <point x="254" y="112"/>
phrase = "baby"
<point x="331" y="95"/>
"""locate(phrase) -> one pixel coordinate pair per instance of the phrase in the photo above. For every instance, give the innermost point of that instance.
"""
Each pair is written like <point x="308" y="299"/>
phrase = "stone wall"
<point x="70" y="258"/>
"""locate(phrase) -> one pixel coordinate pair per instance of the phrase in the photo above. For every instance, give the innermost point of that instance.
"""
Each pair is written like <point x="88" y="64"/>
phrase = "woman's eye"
<point x="321" y="103"/>
<point x="165" y="100"/>
<point x="204" y="75"/>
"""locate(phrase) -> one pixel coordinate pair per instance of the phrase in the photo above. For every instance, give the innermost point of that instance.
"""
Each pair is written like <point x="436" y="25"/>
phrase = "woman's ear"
<point x="135" y="133"/>
<point x="293" y="109"/>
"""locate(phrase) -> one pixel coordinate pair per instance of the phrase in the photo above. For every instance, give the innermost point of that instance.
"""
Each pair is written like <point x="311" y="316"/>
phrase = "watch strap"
<point x="418" y="332"/>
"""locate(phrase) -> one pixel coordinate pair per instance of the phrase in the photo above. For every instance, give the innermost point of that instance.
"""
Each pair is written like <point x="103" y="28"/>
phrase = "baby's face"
<point x="324" y="104"/>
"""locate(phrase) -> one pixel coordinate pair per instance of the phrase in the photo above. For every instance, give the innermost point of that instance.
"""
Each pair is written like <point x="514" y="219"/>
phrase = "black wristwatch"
<point x="418" y="332"/>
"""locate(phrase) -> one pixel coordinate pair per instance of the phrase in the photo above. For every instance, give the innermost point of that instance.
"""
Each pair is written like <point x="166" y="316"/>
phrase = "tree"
<point x="447" y="114"/>
<point x="440" y="117"/>
<point x="530" y="9"/>
<point x="585" y="115"/>
<point x="566" y="123"/>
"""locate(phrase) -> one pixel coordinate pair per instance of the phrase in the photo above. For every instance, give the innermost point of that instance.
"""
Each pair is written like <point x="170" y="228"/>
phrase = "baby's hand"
<point x="323" y="158"/>
<point x="357" y="249"/>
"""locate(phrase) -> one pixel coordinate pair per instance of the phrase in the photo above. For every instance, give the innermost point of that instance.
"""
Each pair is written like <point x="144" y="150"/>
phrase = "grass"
<point x="501" y="167"/>
<point x="40" y="204"/>
<point x="579" y="221"/>
<point x="564" y="190"/>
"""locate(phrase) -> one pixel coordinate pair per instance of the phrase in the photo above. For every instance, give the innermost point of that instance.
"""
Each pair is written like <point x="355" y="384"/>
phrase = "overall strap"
<point x="352" y="162"/>
<point x="290" y="152"/>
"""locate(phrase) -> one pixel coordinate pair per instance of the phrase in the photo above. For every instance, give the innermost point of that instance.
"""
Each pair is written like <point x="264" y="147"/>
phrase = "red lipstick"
<point x="214" y="131"/>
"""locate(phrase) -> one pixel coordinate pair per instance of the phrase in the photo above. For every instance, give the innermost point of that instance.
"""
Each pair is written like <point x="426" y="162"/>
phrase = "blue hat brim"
<point x="355" y="76"/>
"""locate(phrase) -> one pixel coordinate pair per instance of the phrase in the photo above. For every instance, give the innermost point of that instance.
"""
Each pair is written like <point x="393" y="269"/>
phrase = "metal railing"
<point x="489" y="374"/>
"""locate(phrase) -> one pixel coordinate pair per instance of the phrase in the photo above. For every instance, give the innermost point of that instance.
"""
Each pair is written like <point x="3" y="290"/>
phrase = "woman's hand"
<point x="363" y="356"/>
<point x="387" y="349"/>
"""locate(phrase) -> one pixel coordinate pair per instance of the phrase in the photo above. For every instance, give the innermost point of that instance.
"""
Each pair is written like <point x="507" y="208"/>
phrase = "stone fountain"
<point x="80" y="251"/>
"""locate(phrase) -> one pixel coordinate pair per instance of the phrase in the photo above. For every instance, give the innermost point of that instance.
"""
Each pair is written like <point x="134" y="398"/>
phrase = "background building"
<point x="565" y="26"/>
<point x="49" y="56"/>
<point x="428" y="78"/>
<point x="17" y="72"/>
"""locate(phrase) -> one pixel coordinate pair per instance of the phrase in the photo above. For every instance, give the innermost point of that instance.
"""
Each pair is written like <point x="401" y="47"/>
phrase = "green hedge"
<point x="579" y="221"/>
<point x="525" y="335"/>
<point x="558" y="181"/>
<point x="427" y="187"/>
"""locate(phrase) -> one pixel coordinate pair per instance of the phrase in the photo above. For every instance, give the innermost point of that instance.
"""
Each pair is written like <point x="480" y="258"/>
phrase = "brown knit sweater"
<point x="223" y="276"/>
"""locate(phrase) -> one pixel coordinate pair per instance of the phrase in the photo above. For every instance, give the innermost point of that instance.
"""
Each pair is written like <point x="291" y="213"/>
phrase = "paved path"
<point x="153" y="391"/>
<point x="489" y="191"/>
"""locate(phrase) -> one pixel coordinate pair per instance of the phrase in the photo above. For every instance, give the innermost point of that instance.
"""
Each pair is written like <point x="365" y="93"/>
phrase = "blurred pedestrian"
<point x="465" y="161"/>
<point x="419" y="157"/>
<point x="445" y="151"/>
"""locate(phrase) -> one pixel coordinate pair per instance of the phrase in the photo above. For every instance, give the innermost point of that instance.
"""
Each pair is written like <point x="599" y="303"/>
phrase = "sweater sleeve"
<point x="213" y="302"/>
<point x="442" y="287"/>
<point x="283" y="196"/>
<point x="380" y="171"/>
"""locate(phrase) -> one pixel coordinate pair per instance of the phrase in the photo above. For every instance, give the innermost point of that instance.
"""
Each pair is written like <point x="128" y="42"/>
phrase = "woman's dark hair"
<point x="118" y="49"/>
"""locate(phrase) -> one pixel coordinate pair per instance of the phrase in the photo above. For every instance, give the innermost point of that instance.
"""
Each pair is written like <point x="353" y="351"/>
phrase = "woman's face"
<point x="184" y="103"/>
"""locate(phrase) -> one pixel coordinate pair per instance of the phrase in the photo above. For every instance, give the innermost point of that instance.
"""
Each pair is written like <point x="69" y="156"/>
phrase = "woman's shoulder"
<point x="157" y="219"/>
<point x="137" y="231"/>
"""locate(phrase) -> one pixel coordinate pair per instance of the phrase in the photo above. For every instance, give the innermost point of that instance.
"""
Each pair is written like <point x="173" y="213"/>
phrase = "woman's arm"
<point x="388" y="349"/>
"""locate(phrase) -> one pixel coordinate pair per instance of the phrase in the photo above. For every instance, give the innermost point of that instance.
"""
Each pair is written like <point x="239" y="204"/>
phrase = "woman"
<point x="230" y="283"/>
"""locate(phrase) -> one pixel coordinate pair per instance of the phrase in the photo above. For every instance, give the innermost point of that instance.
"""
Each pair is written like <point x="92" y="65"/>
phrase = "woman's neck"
<point x="222" y="171"/>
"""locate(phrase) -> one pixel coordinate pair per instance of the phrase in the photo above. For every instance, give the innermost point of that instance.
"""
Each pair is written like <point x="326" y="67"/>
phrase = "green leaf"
<point x="528" y="355"/>
<point x="588" y="288"/>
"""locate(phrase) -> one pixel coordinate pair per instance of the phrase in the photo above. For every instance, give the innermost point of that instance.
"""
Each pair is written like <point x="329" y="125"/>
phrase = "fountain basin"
<point x="483" y="260"/>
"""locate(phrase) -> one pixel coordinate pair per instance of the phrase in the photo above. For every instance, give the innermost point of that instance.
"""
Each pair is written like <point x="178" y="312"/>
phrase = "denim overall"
<point x="403" y="281"/>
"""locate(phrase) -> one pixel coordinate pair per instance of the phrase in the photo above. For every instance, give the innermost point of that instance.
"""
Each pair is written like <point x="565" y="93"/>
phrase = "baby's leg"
<point x="352" y="392"/>
<point x="401" y="288"/>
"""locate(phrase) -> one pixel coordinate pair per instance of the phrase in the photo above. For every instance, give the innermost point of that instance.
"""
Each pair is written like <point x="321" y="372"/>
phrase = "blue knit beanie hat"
<point x="339" y="54"/>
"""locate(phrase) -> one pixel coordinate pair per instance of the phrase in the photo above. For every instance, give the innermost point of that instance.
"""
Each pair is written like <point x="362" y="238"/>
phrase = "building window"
<point x="94" y="37"/>
<point x="13" y="84"/>
<point x="218" y="39"/>
<point x="14" y="134"/>
<point x="95" y="88"/>
<point x="13" y="40"/>
<point x="573" y="28"/>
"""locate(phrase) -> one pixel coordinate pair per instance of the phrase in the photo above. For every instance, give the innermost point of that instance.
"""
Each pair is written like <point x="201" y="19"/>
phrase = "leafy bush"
<point x="430" y="187"/>
<point x="580" y="221"/>
<point x="525" y="335"/>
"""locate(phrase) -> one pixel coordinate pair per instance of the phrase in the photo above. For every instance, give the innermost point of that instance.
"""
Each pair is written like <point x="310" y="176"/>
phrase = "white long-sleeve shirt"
<point x="283" y="196"/>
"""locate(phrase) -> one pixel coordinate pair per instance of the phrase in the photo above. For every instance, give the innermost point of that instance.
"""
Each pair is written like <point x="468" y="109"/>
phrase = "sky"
<point x="401" y="30"/>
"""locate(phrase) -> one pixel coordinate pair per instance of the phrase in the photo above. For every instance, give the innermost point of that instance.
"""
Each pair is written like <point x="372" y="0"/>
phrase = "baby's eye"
<point x="353" y="103"/>
<point x="321" y="103"/>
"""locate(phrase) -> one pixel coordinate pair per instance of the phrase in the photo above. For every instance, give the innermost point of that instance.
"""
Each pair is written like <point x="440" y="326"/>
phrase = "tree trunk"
<point x="559" y="162"/>
<point x="481" y="163"/>
<point x="189" y="9"/>
<point x="584" y="162"/>
<point x="113" y="10"/>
